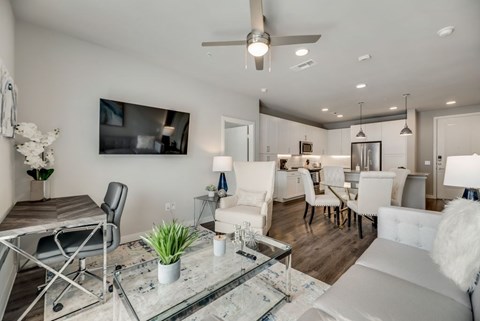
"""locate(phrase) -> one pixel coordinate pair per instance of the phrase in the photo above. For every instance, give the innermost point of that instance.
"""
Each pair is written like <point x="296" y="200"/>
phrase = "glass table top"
<point x="205" y="280"/>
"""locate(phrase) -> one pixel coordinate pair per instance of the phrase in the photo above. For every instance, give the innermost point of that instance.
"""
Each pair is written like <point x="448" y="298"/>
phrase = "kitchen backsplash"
<point x="324" y="160"/>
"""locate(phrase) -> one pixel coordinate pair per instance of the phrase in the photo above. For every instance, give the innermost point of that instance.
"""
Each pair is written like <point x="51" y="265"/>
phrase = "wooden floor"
<point x="320" y="250"/>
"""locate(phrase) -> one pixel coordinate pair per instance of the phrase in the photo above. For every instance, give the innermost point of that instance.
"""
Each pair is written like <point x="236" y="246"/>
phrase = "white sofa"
<point x="395" y="279"/>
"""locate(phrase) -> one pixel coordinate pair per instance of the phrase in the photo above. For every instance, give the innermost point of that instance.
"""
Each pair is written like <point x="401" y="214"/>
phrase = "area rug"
<point x="305" y="290"/>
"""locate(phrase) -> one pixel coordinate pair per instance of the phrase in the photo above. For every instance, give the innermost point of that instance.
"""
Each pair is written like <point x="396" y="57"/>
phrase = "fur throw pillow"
<point x="456" y="248"/>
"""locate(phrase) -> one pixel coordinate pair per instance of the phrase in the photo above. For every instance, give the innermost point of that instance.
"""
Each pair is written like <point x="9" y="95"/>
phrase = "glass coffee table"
<point x="227" y="287"/>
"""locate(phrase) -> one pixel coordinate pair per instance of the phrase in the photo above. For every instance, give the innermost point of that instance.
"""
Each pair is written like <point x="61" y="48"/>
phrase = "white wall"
<point x="7" y="165"/>
<point x="61" y="80"/>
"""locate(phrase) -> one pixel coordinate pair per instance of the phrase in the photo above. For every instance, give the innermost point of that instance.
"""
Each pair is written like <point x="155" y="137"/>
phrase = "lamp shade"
<point x="463" y="171"/>
<point x="222" y="164"/>
<point x="168" y="131"/>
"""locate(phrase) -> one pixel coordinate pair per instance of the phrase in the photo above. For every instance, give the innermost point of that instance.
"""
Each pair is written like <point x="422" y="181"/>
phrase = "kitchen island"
<point x="414" y="191"/>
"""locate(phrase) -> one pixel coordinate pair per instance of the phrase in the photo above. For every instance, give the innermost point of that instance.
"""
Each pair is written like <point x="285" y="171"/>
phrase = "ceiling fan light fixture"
<point x="258" y="44"/>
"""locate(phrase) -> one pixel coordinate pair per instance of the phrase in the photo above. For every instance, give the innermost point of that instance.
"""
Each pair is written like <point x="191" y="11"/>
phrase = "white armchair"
<point x="398" y="185"/>
<point x="253" y="199"/>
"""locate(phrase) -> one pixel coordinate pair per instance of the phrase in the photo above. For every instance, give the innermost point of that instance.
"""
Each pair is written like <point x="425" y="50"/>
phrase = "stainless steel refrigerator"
<point x="367" y="156"/>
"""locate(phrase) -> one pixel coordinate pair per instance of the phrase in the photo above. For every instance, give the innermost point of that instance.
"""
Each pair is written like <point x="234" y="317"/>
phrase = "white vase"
<point x="168" y="273"/>
<point x="211" y="193"/>
<point x="39" y="190"/>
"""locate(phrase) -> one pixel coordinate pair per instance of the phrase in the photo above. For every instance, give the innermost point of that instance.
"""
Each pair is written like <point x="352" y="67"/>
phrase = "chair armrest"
<point x="229" y="201"/>
<point x="59" y="232"/>
<point x="408" y="226"/>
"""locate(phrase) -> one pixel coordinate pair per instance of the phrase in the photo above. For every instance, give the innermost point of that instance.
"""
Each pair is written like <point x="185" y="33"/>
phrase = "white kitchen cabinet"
<point x="289" y="135"/>
<point x="288" y="185"/>
<point x="392" y="142"/>
<point x="268" y="134"/>
<point x="320" y="141"/>
<point x="334" y="142"/>
<point x="268" y="157"/>
<point x="346" y="148"/>
<point x="339" y="141"/>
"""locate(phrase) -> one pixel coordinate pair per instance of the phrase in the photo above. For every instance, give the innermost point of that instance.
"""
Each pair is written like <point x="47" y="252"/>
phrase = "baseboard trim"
<point x="136" y="236"/>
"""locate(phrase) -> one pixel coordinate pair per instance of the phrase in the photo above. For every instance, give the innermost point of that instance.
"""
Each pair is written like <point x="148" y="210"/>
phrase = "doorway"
<point x="238" y="141"/>
<point x="453" y="135"/>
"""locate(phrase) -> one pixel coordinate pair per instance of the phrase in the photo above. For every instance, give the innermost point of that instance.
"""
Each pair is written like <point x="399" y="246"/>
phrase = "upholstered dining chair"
<point x="252" y="201"/>
<point x="49" y="251"/>
<point x="324" y="200"/>
<point x="398" y="185"/>
<point x="374" y="191"/>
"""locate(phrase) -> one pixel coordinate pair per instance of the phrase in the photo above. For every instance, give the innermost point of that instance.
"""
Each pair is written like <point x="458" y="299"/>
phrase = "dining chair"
<point x="398" y="185"/>
<point x="374" y="191"/>
<point x="60" y="246"/>
<point x="253" y="199"/>
<point x="324" y="200"/>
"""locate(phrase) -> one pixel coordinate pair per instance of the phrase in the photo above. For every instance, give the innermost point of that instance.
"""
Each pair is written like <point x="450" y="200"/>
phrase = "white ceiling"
<point x="408" y="56"/>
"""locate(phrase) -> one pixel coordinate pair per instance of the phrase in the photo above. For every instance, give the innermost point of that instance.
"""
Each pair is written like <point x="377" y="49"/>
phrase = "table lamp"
<point x="464" y="171"/>
<point x="222" y="164"/>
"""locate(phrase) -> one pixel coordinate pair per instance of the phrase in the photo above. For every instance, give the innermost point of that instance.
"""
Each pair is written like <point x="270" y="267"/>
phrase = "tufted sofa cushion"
<point x="408" y="226"/>
<point x="411" y="264"/>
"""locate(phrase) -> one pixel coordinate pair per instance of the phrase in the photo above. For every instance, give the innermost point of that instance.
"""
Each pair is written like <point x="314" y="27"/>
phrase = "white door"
<point x="236" y="143"/>
<point x="455" y="135"/>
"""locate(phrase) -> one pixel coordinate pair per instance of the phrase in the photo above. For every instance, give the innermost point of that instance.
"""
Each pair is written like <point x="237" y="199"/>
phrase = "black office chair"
<point x="49" y="251"/>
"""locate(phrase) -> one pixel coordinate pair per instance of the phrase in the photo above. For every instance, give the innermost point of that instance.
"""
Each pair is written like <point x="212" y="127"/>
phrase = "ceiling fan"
<point x="259" y="41"/>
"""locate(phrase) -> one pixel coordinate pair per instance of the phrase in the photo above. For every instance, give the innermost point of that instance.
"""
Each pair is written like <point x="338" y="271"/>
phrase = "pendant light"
<point x="406" y="131"/>
<point x="361" y="134"/>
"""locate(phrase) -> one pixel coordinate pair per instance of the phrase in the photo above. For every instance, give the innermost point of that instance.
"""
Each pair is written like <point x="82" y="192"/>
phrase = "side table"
<point x="210" y="202"/>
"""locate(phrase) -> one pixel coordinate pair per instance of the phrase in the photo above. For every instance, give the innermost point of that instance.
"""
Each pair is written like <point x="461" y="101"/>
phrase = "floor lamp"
<point x="464" y="171"/>
<point x="222" y="164"/>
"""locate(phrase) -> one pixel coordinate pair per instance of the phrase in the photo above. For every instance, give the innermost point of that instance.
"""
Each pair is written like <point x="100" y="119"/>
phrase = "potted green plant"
<point x="169" y="241"/>
<point x="211" y="190"/>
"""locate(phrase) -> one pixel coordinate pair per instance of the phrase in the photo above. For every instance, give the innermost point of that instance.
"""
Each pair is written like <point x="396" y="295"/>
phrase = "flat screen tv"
<point x="127" y="128"/>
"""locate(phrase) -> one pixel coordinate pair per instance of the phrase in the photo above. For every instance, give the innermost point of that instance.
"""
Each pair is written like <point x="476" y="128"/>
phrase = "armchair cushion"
<point x="239" y="214"/>
<point x="250" y="198"/>
<point x="229" y="201"/>
<point x="455" y="248"/>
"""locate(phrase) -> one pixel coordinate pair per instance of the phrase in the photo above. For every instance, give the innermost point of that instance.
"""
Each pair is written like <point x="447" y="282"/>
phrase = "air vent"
<point x="304" y="65"/>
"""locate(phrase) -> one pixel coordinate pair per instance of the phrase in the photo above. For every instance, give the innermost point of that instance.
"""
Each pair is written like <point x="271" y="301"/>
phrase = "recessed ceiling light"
<point x="324" y="109"/>
<point x="264" y="90"/>
<point x="445" y="32"/>
<point x="364" y="57"/>
<point x="393" y="107"/>
<point x="340" y="116"/>
<point x="451" y="102"/>
<point x="301" y="52"/>
<point x="360" y="86"/>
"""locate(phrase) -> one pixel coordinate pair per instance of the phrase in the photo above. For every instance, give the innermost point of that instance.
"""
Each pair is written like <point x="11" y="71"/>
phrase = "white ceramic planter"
<point x="211" y="193"/>
<point x="39" y="190"/>
<point x="168" y="273"/>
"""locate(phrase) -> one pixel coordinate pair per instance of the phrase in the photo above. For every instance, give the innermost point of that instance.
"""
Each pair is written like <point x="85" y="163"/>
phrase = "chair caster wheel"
<point x="57" y="307"/>
<point x="110" y="288"/>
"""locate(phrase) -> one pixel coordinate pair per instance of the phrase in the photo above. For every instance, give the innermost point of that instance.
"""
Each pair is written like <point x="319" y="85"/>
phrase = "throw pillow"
<point x="145" y="142"/>
<point x="250" y="198"/>
<point x="456" y="248"/>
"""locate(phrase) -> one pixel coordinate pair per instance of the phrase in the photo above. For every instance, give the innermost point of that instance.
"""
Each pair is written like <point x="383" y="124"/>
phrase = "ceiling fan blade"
<point x="293" y="40"/>
<point x="224" y="43"/>
<point x="259" y="63"/>
<point x="256" y="15"/>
